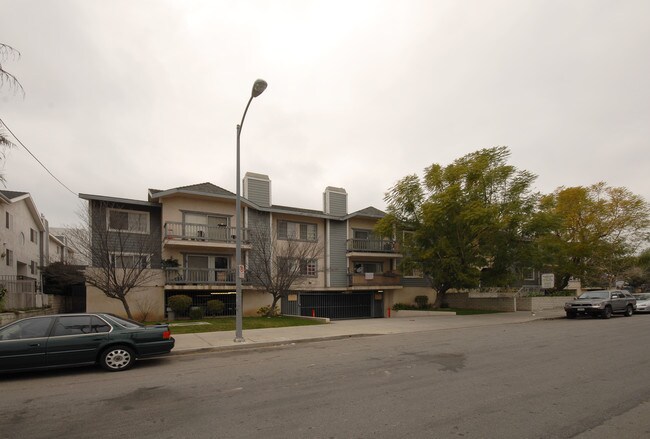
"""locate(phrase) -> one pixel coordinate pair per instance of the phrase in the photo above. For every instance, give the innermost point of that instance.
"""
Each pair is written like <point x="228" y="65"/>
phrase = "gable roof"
<point x="11" y="197"/>
<point x="207" y="188"/>
<point x="368" y="212"/>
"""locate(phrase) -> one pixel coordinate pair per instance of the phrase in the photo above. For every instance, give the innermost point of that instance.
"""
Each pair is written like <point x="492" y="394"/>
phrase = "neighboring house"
<point x="62" y="247"/>
<point x="356" y="276"/>
<point x="24" y="247"/>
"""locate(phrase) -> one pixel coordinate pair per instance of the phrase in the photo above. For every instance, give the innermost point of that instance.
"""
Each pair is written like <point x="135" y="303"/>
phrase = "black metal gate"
<point x="352" y="305"/>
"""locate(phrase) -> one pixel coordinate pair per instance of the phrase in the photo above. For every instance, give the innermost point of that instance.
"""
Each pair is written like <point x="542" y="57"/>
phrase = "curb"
<point x="265" y="344"/>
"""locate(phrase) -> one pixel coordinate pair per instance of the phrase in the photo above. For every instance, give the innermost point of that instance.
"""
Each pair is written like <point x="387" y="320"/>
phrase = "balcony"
<point x="200" y="276"/>
<point x="389" y="278"/>
<point x="202" y="235"/>
<point x="372" y="246"/>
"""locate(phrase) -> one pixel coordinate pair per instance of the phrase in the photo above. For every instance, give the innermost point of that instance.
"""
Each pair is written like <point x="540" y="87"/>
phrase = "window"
<point x="29" y="328"/>
<point x="308" y="268"/>
<point x="128" y="221"/>
<point x="75" y="325"/>
<point x="32" y="267"/>
<point x="529" y="274"/>
<point x="129" y="260"/>
<point x="362" y="234"/>
<point x="33" y="236"/>
<point x="9" y="257"/>
<point x="9" y="220"/>
<point x="301" y="231"/>
<point x="414" y="270"/>
<point x="368" y="267"/>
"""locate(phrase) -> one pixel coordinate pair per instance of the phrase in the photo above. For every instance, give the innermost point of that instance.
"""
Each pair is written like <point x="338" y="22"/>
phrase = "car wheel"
<point x="570" y="315"/>
<point x="629" y="311"/>
<point x="607" y="312"/>
<point x="117" y="358"/>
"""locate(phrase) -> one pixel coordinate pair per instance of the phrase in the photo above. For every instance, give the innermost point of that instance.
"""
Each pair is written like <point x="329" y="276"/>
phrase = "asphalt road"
<point x="585" y="378"/>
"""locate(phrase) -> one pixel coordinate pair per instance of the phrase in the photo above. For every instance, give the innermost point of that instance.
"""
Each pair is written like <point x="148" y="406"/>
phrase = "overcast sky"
<point x="122" y="96"/>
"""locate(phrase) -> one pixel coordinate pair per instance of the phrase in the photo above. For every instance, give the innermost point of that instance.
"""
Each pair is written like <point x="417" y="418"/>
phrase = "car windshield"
<point x="595" y="295"/>
<point x="642" y="296"/>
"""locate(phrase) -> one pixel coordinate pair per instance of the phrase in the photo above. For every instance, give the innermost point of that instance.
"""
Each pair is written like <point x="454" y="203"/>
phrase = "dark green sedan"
<point x="64" y="340"/>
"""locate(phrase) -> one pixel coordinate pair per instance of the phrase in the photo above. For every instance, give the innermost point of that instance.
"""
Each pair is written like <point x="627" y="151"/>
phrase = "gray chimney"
<point x="335" y="201"/>
<point x="257" y="188"/>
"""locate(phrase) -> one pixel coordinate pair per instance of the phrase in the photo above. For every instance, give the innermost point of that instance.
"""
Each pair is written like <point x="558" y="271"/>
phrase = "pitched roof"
<point x="201" y="188"/>
<point x="370" y="212"/>
<point x="13" y="194"/>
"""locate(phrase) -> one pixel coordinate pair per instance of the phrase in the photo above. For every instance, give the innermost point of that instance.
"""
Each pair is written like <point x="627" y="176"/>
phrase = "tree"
<point x="275" y="265"/>
<point x="7" y="79"/>
<point x="122" y="259"/>
<point x="467" y="220"/>
<point x="590" y="232"/>
<point x="59" y="276"/>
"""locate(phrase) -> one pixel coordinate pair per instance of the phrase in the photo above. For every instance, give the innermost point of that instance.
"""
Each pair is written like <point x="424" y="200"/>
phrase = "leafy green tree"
<point x="590" y="232"/>
<point x="468" y="220"/>
<point x="9" y="80"/>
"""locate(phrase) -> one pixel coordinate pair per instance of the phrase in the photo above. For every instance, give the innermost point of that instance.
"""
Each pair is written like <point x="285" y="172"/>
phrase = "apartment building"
<point x="355" y="274"/>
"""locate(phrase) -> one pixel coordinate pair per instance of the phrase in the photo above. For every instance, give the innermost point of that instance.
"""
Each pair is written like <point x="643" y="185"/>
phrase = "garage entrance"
<point x="337" y="305"/>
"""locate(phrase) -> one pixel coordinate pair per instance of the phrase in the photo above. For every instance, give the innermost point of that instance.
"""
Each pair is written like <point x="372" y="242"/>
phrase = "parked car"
<point x="642" y="302"/>
<point x="80" y="339"/>
<point x="601" y="303"/>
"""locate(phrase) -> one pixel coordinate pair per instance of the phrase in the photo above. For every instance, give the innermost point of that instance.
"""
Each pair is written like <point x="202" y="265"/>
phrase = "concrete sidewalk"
<point x="224" y="340"/>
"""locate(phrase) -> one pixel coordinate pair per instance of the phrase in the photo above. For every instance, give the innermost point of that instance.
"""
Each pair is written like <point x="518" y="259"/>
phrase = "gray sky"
<point x="126" y="95"/>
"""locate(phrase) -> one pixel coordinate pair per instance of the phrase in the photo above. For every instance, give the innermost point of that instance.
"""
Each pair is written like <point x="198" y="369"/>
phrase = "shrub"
<point x="215" y="307"/>
<point x="179" y="303"/>
<point x="264" y="311"/>
<point x="422" y="301"/>
<point x="402" y="306"/>
<point x="196" y="313"/>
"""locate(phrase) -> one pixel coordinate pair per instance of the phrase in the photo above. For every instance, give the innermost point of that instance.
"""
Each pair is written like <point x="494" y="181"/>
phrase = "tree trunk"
<point x="126" y="307"/>
<point x="273" y="304"/>
<point x="441" y="294"/>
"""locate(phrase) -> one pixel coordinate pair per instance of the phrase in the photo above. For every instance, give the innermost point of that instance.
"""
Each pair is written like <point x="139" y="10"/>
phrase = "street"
<point x="586" y="378"/>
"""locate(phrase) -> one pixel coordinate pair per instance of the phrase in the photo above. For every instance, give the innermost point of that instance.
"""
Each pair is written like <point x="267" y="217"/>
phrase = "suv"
<point x="601" y="303"/>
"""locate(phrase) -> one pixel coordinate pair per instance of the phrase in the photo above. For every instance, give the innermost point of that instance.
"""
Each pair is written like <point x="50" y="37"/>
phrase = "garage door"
<point x="339" y="305"/>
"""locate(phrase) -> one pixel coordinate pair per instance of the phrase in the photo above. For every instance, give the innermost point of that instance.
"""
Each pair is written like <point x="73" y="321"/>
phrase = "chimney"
<point x="335" y="201"/>
<point x="257" y="188"/>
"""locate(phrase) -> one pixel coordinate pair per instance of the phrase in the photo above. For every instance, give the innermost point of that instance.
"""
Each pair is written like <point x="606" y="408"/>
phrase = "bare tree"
<point x="121" y="259"/>
<point x="276" y="265"/>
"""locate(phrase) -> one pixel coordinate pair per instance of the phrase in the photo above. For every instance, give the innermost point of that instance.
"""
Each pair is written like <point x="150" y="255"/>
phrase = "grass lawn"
<point x="228" y="324"/>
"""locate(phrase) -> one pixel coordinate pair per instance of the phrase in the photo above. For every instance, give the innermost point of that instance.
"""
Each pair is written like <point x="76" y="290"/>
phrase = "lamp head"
<point x="258" y="87"/>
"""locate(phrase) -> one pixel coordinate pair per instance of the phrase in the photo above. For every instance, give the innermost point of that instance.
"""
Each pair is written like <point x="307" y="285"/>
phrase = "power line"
<point x="36" y="158"/>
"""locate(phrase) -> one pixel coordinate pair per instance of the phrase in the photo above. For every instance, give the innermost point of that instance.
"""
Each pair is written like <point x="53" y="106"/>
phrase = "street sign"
<point x="548" y="281"/>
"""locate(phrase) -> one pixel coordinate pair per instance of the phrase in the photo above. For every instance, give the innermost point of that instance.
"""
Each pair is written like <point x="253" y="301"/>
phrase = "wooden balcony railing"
<point x="372" y="245"/>
<point x="372" y="279"/>
<point x="202" y="232"/>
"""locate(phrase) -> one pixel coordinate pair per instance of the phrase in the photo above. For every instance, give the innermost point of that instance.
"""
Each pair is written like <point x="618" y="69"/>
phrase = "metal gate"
<point x="353" y="305"/>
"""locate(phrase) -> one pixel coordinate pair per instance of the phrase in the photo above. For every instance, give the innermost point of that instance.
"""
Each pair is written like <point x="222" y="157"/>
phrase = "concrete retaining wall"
<point x="415" y="313"/>
<point x="505" y="302"/>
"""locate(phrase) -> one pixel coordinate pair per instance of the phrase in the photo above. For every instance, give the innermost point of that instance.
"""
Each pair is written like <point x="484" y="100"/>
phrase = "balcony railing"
<point x="202" y="232"/>
<point x="200" y="276"/>
<point x="373" y="279"/>
<point x="372" y="245"/>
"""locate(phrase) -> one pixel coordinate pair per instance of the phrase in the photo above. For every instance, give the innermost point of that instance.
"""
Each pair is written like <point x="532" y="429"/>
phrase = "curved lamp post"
<point x="258" y="88"/>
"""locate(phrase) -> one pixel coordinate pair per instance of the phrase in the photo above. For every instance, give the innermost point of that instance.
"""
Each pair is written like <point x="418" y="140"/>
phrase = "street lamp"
<point x="258" y="88"/>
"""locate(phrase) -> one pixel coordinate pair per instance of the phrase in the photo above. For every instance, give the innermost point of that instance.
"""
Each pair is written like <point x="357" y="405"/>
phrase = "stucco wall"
<point x="17" y="239"/>
<point x="146" y="303"/>
<point x="407" y="296"/>
<point x="173" y="208"/>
